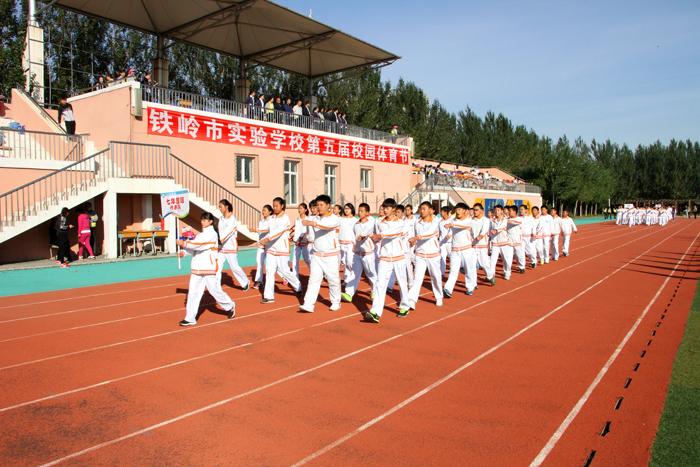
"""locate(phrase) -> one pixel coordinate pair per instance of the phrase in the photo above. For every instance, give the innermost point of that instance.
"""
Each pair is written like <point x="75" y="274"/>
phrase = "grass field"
<point x="677" y="442"/>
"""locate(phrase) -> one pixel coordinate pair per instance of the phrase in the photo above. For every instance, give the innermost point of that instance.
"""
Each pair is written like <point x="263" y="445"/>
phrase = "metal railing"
<point x="41" y="108"/>
<point x="188" y="100"/>
<point x="119" y="160"/>
<point x="444" y="180"/>
<point x="41" y="145"/>
<point x="418" y="194"/>
<point x="53" y="189"/>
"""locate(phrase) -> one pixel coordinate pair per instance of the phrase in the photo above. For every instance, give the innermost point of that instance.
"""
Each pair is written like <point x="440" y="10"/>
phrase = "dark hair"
<point x="446" y="209"/>
<point x="79" y="210"/>
<point x="314" y="202"/>
<point x="340" y="208"/>
<point x="64" y="212"/>
<point x="535" y="207"/>
<point x="213" y="219"/>
<point x="424" y="203"/>
<point x="87" y="204"/>
<point x="306" y="208"/>
<point x="228" y="205"/>
<point x="389" y="203"/>
<point x="280" y="201"/>
<point x="352" y="208"/>
<point x="544" y="206"/>
<point x="479" y="205"/>
<point x="363" y="205"/>
<point x="409" y="206"/>
<point x="498" y="206"/>
<point x="323" y="199"/>
<point x="400" y="207"/>
<point x="268" y="207"/>
<point x="461" y="206"/>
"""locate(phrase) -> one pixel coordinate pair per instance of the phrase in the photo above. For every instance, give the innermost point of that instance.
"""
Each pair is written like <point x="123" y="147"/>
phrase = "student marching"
<point x="340" y="245"/>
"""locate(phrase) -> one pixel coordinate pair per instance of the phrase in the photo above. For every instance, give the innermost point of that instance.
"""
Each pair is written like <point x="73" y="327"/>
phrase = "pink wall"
<point x="11" y="178"/>
<point x="106" y="115"/>
<point x="28" y="115"/>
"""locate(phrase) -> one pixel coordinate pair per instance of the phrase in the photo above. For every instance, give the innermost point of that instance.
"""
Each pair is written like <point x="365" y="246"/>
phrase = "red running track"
<point x="530" y="372"/>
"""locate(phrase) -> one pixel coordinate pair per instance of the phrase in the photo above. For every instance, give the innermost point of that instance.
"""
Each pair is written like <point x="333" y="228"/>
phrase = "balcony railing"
<point x="41" y="145"/>
<point x="236" y="109"/>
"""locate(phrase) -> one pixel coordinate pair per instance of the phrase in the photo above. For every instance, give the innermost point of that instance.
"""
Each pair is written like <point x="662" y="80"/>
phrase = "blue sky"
<point x="624" y="71"/>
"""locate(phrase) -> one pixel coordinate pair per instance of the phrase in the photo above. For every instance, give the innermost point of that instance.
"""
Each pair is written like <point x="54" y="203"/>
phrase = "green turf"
<point x="677" y="442"/>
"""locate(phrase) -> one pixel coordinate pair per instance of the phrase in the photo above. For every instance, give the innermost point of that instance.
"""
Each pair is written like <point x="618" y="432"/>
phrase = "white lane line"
<point x="103" y="383"/>
<point x="579" y="405"/>
<point x="219" y="322"/>
<point x="301" y="373"/>
<point x="465" y="366"/>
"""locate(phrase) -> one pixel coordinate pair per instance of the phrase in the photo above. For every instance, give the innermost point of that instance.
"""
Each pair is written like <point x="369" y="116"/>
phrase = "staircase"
<point x="144" y="168"/>
<point x="429" y="191"/>
<point x="40" y="145"/>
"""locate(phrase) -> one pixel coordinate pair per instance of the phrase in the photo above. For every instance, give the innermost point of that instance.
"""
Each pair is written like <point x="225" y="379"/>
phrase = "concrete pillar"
<point x="109" y="218"/>
<point x="147" y="212"/>
<point x="242" y="83"/>
<point x="33" y="61"/>
<point x="161" y="66"/>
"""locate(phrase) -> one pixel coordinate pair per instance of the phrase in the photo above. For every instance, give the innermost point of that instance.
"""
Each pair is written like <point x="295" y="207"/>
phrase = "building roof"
<point x="255" y="30"/>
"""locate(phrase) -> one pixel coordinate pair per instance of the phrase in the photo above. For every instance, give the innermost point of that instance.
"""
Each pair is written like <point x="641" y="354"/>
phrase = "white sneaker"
<point x="335" y="307"/>
<point x="412" y="304"/>
<point x="306" y="309"/>
<point x="506" y="278"/>
<point x="438" y="302"/>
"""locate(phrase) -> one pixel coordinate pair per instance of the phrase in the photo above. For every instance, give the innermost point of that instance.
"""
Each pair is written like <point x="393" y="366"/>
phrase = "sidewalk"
<point x="46" y="276"/>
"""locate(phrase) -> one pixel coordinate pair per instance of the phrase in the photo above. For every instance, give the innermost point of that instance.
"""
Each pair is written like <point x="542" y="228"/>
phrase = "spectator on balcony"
<point x="394" y="134"/>
<point x="65" y="112"/>
<point x="270" y="109"/>
<point x="343" y="124"/>
<point x="288" y="106"/>
<point x="306" y="110"/>
<point x="317" y="118"/>
<point x="277" y="104"/>
<point x="298" y="109"/>
<point x="250" y="104"/>
<point x="261" y="104"/>
<point x="100" y="83"/>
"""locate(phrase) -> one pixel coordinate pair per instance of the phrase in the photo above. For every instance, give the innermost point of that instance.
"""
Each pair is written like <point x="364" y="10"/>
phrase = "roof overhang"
<point x="257" y="31"/>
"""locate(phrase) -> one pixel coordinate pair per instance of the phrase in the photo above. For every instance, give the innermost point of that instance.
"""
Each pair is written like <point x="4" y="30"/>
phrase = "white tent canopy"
<point x="254" y="30"/>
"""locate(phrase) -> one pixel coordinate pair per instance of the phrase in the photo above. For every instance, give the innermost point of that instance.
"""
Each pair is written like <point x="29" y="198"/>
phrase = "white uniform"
<point x="537" y="236"/>
<point x="546" y="236"/>
<point x="204" y="250"/>
<point x="301" y="245"/>
<point x="500" y="246"/>
<point x="347" y="244"/>
<point x="391" y="260"/>
<point x="528" y="231"/>
<point x="407" y="253"/>
<point x="427" y="257"/>
<point x="480" y="227"/>
<point x="445" y="242"/>
<point x="260" y="256"/>
<point x="410" y="250"/>
<point x="556" y="232"/>
<point x="363" y="257"/>
<point x="277" y="255"/>
<point x="228" y="249"/>
<point x="515" y="238"/>
<point x="325" y="261"/>
<point x="463" y="254"/>
<point x="567" y="228"/>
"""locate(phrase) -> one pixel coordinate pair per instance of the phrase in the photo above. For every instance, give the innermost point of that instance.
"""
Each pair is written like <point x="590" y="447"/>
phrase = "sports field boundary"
<point x="677" y="440"/>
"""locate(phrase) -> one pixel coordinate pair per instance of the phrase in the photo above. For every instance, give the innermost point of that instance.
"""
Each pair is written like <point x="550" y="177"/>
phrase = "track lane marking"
<point x="338" y="359"/>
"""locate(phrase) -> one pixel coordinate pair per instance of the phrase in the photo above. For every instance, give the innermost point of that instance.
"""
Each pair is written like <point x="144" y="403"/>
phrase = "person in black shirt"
<point x="65" y="112"/>
<point x="62" y="227"/>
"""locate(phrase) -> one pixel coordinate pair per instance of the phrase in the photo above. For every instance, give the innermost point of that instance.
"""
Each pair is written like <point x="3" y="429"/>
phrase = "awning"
<point x="255" y="30"/>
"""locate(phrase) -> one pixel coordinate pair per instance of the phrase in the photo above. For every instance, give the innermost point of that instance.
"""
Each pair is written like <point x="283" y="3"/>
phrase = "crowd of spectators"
<point x="123" y="77"/>
<point x="287" y="112"/>
<point x="466" y="177"/>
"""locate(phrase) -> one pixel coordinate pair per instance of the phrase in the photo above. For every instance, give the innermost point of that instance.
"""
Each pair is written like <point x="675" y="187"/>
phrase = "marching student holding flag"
<point x="204" y="249"/>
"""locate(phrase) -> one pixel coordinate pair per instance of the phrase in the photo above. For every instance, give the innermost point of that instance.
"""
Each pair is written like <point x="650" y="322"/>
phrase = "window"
<point x="366" y="178"/>
<point x="331" y="182"/>
<point x="291" y="182"/>
<point x="244" y="170"/>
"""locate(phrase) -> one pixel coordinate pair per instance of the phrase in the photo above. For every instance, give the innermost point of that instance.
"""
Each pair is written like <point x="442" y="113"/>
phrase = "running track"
<point x="566" y="365"/>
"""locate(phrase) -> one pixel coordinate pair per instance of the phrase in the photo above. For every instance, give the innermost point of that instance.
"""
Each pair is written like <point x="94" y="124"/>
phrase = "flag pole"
<point x="177" y="237"/>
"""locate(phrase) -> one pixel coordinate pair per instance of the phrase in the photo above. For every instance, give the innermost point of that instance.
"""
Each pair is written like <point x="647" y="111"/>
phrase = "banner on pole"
<point x="176" y="203"/>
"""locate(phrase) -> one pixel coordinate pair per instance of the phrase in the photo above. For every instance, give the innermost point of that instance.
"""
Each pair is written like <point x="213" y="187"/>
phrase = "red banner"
<point x="179" y="124"/>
